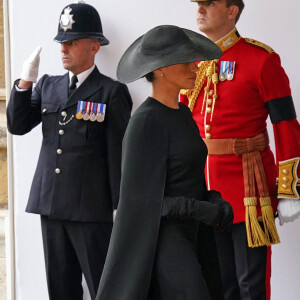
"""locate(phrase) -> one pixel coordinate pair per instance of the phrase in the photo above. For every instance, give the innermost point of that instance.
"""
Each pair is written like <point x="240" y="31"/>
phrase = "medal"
<point x="231" y="70"/>
<point x="93" y="116"/>
<point x="86" y="115"/>
<point x="79" y="115"/>
<point x="101" y="112"/>
<point x="223" y="71"/>
<point x="222" y="77"/>
<point x="227" y="69"/>
<point x="100" y="118"/>
<point x="229" y="77"/>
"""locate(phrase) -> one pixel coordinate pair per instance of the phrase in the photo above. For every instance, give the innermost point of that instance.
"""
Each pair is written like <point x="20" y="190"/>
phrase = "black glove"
<point x="189" y="208"/>
<point x="226" y="221"/>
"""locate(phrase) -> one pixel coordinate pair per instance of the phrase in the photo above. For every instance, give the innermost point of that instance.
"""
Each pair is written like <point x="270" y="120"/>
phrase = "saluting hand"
<point x="31" y="66"/>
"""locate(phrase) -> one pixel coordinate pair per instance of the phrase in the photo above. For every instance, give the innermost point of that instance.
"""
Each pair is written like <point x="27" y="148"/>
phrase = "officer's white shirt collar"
<point x="81" y="76"/>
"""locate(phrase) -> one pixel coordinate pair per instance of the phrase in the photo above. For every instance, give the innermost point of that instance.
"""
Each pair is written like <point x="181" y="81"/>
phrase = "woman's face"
<point x="181" y="76"/>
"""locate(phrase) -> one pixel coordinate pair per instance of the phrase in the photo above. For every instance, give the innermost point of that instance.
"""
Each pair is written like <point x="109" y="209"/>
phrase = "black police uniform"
<point x="76" y="183"/>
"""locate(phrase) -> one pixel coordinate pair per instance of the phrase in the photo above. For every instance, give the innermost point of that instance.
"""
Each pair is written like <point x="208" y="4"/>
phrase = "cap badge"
<point x="66" y="20"/>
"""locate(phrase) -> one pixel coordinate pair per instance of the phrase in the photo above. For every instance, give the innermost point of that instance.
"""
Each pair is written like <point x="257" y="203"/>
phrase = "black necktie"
<point x="72" y="86"/>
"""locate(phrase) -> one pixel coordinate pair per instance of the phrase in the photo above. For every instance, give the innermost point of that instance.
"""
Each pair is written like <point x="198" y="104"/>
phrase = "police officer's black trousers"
<point x="243" y="269"/>
<point x="72" y="249"/>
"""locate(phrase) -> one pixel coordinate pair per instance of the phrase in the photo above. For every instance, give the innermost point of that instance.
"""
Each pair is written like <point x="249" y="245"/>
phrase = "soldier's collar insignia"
<point x="229" y="40"/>
<point x="66" y="19"/>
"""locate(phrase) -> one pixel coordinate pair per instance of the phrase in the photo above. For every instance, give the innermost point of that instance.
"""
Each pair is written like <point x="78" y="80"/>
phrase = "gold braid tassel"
<point x="209" y="73"/>
<point x="207" y="70"/>
<point x="271" y="233"/>
<point x="255" y="234"/>
<point x="213" y="77"/>
<point x="215" y="80"/>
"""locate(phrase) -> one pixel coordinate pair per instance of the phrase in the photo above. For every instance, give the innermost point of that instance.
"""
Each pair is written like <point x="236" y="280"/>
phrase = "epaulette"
<point x="259" y="44"/>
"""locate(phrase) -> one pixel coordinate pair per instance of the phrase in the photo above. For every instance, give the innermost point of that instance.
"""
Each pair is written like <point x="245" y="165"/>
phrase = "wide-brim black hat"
<point x="163" y="46"/>
<point x="79" y="21"/>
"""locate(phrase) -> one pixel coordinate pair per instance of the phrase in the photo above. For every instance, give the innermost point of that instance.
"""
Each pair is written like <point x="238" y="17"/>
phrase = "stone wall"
<point x="3" y="178"/>
<point x="2" y="66"/>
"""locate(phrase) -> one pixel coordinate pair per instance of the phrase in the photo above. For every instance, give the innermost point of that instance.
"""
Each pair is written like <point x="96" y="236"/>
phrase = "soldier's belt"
<point x="237" y="146"/>
<point x="253" y="171"/>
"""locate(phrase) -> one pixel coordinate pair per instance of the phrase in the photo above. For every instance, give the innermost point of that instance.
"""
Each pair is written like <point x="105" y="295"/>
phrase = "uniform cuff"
<point x="288" y="181"/>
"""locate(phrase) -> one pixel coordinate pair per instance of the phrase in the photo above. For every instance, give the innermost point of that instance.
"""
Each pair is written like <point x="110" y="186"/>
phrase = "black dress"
<point x="151" y="257"/>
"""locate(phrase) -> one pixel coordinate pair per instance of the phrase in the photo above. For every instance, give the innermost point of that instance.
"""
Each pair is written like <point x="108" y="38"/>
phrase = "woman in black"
<point x="163" y="197"/>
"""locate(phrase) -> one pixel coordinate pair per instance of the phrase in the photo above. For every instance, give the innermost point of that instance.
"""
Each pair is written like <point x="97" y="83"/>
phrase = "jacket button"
<point x="208" y="136"/>
<point x="44" y="110"/>
<point x="57" y="171"/>
<point x="284" y="186"/>
<point x="208" y="127"/>
<point x="61" y="132"/>
<point x="63" y="114"/>
<point x="59" y="151"/>
<point x="285" y="179"/>
<point x="208" y="110"/>
<point x="285" y="172"/>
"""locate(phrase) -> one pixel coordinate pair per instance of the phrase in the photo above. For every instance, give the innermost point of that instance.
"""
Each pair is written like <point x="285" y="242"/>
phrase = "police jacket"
<point x="78" y="172"/>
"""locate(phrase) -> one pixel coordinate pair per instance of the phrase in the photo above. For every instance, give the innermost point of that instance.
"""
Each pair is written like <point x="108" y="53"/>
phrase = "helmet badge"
<point x="66" y="20"/>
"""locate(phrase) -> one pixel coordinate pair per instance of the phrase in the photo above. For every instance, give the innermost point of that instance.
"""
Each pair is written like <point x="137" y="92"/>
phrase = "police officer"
<point x="75" y="188"/>
<point x="231" y="101"/>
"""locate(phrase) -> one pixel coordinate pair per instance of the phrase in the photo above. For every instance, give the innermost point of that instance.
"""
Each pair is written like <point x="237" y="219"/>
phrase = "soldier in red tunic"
<point x="231" y="101"/>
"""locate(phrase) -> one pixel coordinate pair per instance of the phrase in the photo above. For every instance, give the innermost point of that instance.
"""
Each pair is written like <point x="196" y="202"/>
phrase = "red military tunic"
<point x="259" y="88"/>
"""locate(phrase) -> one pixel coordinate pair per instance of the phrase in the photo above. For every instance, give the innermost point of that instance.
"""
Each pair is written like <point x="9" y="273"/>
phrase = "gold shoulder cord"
<point x="207" y="70"/>
<point x="259" y="44"/>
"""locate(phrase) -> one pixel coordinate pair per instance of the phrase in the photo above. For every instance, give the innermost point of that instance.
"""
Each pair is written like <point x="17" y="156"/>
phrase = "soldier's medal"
<point x="223" y="71"/>
<point x="86" y="115"/>
<point x="79" y="115"/>
<point x="101" y="112"/>
<point x="231" y="70"/>
<point x="66" y="20"/>
<point x="93" y="116"/>
<point x="227" y="70"/>
<point x="229" y="77"/>
<point x="222" y="77"/>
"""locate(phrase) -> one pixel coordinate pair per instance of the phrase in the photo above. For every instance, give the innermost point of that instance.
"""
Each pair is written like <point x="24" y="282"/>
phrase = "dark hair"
<point x="239" y="3"/>
<point x="150" y="76"/>
<point x="93" y="40"/>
